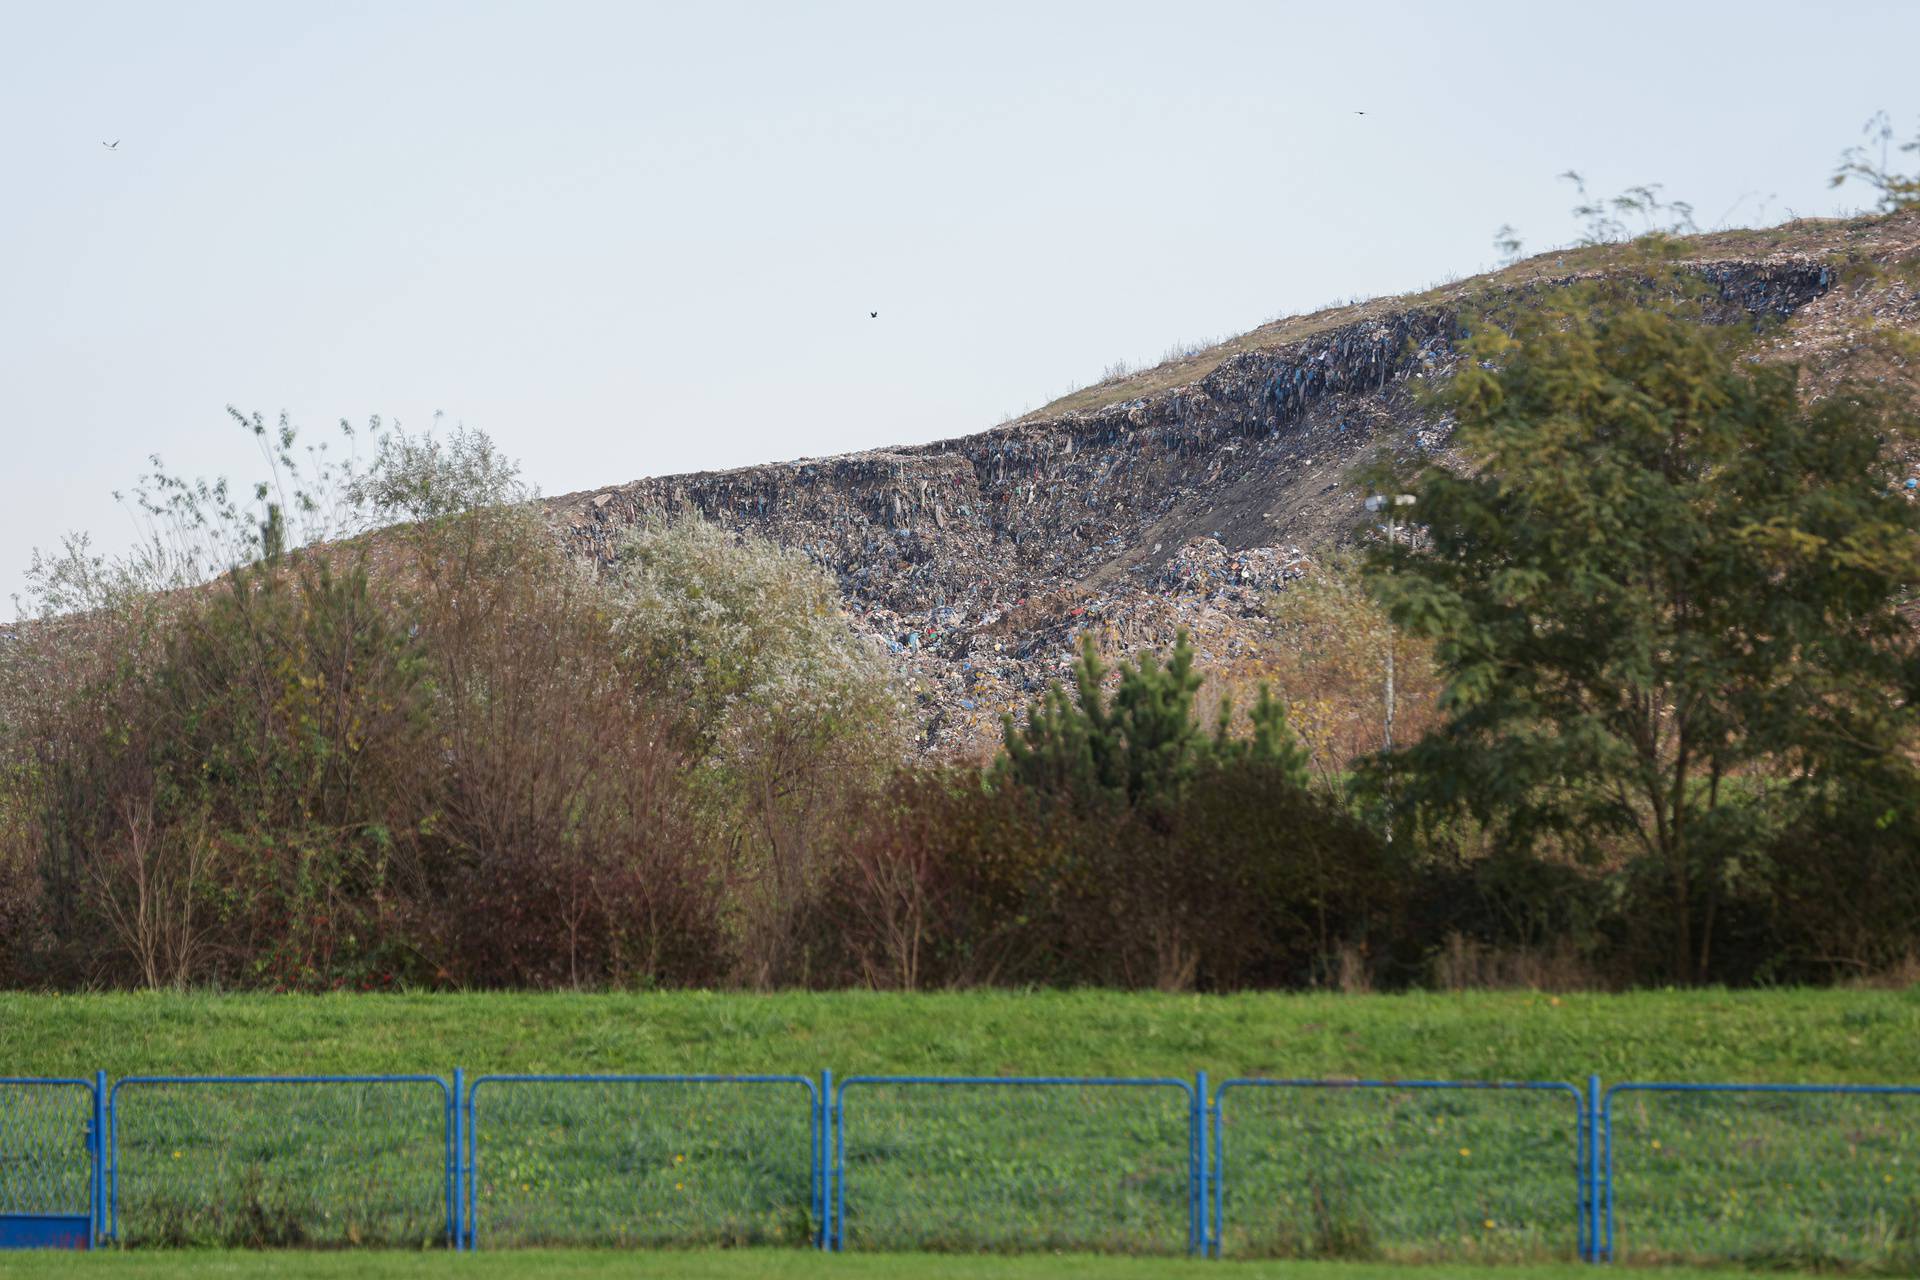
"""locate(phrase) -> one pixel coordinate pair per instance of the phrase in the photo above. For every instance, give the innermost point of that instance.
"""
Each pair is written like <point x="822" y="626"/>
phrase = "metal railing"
<point x="1779" y="1175"/>
<point x="1765" y="1174"/>
<point x="646" y="1160"/>
<point x="1333" y="1168"/>
<point x="1018" y="1162"/>
<point x="51" y="1164"/>
<point x="317" y="1160"/>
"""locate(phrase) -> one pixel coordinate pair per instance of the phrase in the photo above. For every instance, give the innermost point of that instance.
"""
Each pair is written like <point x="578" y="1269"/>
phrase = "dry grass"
<point x="1845" y="238"/>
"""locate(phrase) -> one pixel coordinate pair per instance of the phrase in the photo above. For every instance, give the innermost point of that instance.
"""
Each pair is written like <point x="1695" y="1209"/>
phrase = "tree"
<point x="1663" y="596"/>
<point x="1176" y="854"/>
<point x="1141" y="749"/>
<point x="1327" y="655"/>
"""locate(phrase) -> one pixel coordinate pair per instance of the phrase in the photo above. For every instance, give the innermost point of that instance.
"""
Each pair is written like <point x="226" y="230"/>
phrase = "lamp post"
<point x="1377" y="503"/>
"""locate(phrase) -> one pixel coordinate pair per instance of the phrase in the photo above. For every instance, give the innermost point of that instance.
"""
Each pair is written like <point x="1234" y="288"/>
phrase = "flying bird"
<point x="1359" y="113"/>
<point x="874" y="314"/>
<point x="111" y="145"/>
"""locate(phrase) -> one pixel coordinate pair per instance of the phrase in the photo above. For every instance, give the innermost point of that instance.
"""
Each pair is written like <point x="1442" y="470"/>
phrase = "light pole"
<point x="1377" y="503"/>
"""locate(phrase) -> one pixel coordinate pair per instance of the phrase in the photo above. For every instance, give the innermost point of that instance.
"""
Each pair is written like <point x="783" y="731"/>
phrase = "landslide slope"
<point x="1180" y="495"/>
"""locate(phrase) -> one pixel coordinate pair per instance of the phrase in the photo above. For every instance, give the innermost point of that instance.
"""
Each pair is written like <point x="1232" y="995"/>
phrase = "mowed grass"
<point x="1779" y="1036"/>
<point x="741" y="1264"/>
<point x="1388" y="1173"/>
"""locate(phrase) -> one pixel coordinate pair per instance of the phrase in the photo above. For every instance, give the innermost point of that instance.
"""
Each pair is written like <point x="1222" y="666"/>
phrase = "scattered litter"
<point x="979" y="562"/>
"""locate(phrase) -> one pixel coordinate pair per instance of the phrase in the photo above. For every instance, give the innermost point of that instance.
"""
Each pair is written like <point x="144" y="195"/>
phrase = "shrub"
<point x="786" y="713"/>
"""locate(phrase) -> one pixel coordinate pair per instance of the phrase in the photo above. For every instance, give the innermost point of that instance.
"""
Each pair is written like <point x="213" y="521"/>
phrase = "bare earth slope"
<point x="1179" y="495"/>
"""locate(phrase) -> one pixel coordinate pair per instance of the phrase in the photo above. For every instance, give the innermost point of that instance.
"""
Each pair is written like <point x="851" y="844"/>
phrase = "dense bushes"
<point x="1244" y="880"/>
<point x="312" y="774"/>
<point x="446" y="756"/>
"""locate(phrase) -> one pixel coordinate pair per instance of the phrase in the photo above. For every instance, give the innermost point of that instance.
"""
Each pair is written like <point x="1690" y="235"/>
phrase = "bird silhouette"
<point x="1359" y="113"/>
<point x="874" y="314"/>
<point x="111" y="145"/>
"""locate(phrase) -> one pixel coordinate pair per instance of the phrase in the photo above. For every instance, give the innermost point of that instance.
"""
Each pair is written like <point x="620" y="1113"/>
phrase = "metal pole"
<point x="1389" y="726"/>
<point x="1217" y="1178"/>
<point x="1387" y="502"/>
<point x="837" y="1178"/>
<point x="1197" y="1199"/>
<point x="456" y="1198"/>
<point x="113" y="1168"/>
<point x="1589" y="1188"/>
<point x="1603" y="1166"/>
<point x="823" y="1164"/>
<point x="102" y="1148"/>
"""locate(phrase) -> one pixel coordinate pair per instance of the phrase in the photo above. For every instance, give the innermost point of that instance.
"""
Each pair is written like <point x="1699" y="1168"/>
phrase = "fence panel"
<point x="283" y="1160"/>
<point x="1802" y="1176"/>
<point x="1402" y="1169"/>
<point x="645" y="1160"/>
<point x="1006" y="1163"/>
<point x="49" y="1171"/>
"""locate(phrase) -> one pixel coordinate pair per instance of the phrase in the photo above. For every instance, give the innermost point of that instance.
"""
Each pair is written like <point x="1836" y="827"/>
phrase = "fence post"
<point x="836" y="1176"/>
<point x="1197" y="1197"/>
<point x="1602" y="1173"/>
<point x="469" y="1173"/>
<point x="822" y="1175"/>
<point x="113" y="1164"/>
<point x="1217" y="1177"/>
<point x="97" y="1194"/>
<point x="1583" y="1173"/>
<point x="456" y="1154"/>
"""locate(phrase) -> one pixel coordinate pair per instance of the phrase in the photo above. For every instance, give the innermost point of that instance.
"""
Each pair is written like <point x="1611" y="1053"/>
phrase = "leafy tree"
<point x="1142" y="748"/>
<point x="1663" y="597"/>
<point x="1327" y="656"/>
<point x="786" y="711"/>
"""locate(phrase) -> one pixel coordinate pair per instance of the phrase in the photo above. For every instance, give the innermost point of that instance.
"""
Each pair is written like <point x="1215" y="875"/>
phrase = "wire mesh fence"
<point x="964" y="1163"/>
<point x="46" y="1154"/>
<point x="321" y="1161"/>
<point x="646" y="1160"/>
<point x="1406" y="1170"/>
<point x="1790" y="1176"/>
<point x="1808" y="1177"/>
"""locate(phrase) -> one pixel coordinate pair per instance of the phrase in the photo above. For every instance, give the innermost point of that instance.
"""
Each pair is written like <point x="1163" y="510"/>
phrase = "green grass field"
<point x="1707" y="1035"/>
<point x="1389" y="1174"/>
<point x="756" y="1264"/>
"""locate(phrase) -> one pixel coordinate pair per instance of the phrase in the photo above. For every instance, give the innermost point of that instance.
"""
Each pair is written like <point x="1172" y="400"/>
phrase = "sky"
<point x="626" y="239"/>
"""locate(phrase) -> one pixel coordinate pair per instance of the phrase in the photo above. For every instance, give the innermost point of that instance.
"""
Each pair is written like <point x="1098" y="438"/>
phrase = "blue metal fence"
<point x="1805" y="1175"/>
<point x="1018" y="1162"/>
<point x="1397" y="1168"/>
<point x="283" y="1160"/>
<point x="646" y="1159"/>
<point x="1763" y="1174"/>
<point x="50" y="1162"/>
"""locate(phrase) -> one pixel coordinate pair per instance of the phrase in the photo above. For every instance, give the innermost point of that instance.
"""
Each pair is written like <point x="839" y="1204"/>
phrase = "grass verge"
<point x="751" y="1264"/>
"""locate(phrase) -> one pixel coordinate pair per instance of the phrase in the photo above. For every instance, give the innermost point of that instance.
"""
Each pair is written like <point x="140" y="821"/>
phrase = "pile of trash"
<point x="978" y="563"/>
<point x="965" y="671"/>
<point x="1203" y="564"/>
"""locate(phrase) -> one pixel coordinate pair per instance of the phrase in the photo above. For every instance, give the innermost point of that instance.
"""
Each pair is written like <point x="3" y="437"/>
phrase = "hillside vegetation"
<point x="378" y="728"/>
<point x="1773" y="1036"/>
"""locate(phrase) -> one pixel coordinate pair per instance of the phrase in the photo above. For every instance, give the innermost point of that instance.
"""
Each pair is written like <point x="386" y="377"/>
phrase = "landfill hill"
<point x="1180" y="496"/>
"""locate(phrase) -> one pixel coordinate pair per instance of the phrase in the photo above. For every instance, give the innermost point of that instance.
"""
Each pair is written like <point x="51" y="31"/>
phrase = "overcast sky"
<point x="631" y="239"/>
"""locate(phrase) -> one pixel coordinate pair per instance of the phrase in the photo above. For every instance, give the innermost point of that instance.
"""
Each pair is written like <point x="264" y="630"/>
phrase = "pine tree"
<point x="1143" y="746"/>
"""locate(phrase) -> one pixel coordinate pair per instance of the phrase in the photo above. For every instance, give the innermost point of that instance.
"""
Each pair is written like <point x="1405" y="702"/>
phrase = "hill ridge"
<point x="977" y="560"/>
